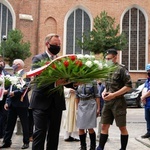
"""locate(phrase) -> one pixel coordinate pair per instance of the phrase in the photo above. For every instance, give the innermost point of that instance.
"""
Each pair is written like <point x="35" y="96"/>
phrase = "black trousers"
<point x="47" y="124"/>
<point x="31" y="123"/>
<point x="3" y="121"/>
<point x="13" y="113"/>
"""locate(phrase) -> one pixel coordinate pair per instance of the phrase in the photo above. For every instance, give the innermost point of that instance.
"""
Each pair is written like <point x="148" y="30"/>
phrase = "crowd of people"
<point x="80" y="105"/>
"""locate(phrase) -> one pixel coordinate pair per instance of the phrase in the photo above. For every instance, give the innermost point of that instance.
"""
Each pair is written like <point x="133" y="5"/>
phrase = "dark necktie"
<point x="52" y="57"/>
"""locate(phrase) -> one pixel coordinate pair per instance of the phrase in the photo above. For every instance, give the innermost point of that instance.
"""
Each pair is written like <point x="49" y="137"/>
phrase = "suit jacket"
<point x="39" y="98"/>
<point x="5" y="96"/>
<point x="15" y="101"/>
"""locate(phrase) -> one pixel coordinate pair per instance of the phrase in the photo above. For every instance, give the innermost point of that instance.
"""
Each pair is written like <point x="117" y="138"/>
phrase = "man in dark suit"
<point x="17" y="106"/>
<point x="3" y="112"/>
<point x="47" y="109"/>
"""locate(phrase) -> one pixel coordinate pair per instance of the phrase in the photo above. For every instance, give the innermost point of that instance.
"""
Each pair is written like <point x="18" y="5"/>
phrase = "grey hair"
<point x="20" y="61"/>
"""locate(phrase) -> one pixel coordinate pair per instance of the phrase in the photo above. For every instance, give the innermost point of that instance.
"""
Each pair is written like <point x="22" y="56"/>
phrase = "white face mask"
<point x="109" y="62"/>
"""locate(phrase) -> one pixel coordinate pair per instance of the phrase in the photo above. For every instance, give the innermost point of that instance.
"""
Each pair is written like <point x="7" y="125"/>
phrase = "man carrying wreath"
<point x="47" y="108"/>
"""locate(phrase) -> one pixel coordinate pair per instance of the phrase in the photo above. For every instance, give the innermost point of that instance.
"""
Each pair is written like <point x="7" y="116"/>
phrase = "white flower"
<point x="100" y="66"/>
<point x="92" y="56"/>
<point x="19" y="86"/>
<point x="87" y="56"/>
<point x="96" y="62"/>
<point x="89" y="64"/>
<point x="7" y="76"/>
<point x="80" y="56"/>
<point x="14" y="79"/>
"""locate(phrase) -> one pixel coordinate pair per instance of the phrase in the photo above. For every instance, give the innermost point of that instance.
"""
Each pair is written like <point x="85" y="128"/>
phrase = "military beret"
<point x="111" y="51"/>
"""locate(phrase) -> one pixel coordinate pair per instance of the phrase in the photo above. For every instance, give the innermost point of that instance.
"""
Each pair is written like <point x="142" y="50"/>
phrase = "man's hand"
<point x="98" y="113"/>
<point x="6" y="106"/>
<point x="61" y="82"/>
<point x="143" y="100"/>
<point x="108" y="96"/>
<point x="5" y="92"/>
<point x="72" y="91"/>
<point x="11" y="94"/>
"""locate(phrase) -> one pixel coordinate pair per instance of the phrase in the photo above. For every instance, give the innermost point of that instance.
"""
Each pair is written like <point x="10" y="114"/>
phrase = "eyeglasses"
<point x="109" y="58"/>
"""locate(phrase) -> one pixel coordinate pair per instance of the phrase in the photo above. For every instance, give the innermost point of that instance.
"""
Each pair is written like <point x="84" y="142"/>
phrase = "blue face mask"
<point x="15" y="67"/>
<point x="109" y="62"/>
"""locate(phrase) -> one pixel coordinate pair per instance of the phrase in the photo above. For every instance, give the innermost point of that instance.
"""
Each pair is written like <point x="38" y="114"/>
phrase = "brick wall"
<point x="48" y="16"/>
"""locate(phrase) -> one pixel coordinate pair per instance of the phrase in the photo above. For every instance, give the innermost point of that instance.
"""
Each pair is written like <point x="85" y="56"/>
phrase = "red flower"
<point x="47" y="63"/>
<point x="73" y="57"/>
<point x="78" y="63"/>
<point x="66" y="63"/>
<point x="53" y="66"/>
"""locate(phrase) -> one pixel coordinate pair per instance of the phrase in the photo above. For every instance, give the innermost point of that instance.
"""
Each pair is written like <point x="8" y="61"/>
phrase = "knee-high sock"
<point x="124" y="141"/>
<point x="93" y="139"/>
<point x="103" y="140"/>
<point x="83" y="139"/>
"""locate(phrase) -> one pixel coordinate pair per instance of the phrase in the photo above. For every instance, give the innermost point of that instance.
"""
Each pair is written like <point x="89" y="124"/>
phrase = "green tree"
<point x="14" y="47"/>
<point x="103" y="36"/>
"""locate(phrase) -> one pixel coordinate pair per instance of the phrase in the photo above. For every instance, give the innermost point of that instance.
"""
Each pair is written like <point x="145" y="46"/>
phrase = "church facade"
<point x="70" y="18"/>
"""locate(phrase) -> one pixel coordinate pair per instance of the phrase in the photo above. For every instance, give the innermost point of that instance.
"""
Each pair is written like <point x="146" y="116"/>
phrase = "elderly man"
<point x="17" y="107"/>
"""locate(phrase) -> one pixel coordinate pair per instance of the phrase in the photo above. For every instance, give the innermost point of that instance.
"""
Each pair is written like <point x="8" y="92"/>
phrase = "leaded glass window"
<point x="6" y="21"/>
<point x="134" y="26"/>
<point x="77" y="23"/>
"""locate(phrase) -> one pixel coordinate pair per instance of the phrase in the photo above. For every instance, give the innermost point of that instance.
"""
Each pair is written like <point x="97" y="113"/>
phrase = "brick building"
<point x="69" y="18"/>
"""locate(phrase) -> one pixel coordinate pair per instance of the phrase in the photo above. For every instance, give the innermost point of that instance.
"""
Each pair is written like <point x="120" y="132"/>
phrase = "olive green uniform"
<point x="116" y="108"/>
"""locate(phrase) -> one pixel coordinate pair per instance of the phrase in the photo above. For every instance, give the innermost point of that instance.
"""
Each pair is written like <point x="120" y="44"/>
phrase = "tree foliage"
<point x="103" y="36"/>
<point x="14" y="47"/>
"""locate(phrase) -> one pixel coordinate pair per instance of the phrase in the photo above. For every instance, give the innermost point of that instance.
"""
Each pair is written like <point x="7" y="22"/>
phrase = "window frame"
<point x="65" y="25"/>
<point x="12" y="12"/>
<point x="146" y="35"/>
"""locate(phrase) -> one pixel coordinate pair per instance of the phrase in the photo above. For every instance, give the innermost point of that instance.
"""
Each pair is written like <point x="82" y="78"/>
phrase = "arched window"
<point x="6" y="20"/>
<point x="77" y="23"/>
<point x="134" y="26"/>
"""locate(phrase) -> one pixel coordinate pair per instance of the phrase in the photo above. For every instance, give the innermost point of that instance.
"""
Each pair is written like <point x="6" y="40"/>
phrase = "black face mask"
<point x="99" y="83"/>
<point x="54" y="49"/>
<point x="1" y="68"/>
<point x="148" y="74"/>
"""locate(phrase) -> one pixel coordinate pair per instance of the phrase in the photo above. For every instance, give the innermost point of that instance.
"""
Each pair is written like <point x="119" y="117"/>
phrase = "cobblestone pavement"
<point x="113" y="143"/>
<point x="135" y="129"/>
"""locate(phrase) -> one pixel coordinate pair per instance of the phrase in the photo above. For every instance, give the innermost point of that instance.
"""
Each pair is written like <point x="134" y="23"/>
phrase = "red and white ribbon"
<point x="38" y="71"/>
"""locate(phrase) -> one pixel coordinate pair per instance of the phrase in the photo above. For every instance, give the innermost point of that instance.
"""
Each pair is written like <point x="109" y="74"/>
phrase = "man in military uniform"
<point x="115" y="106"/>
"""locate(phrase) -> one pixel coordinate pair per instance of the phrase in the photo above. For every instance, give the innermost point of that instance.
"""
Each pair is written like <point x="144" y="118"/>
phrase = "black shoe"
<point x="83" y="148"/>
<point x="5" y="145"/>
<point x="92" y="147"/>
<point x="1" y="137"/>
<point x="25" y="146"/>
<point x="147" y="135"/>
<point x="99" y="148"/>
<point x="76" y="140"/>
<point x="70" y="139"/>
